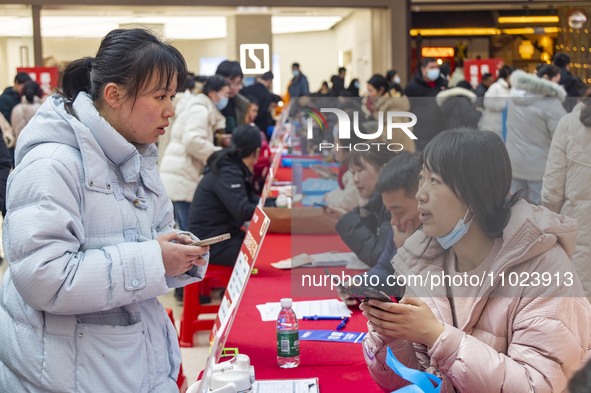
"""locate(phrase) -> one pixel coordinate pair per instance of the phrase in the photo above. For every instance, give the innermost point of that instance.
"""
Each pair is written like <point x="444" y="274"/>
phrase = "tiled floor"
<point x="193" y="358"/>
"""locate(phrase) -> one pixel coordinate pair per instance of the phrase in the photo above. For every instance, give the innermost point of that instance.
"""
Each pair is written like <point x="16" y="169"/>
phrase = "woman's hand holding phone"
<point x="178" y="255"/>
<point x="411" y="320"/>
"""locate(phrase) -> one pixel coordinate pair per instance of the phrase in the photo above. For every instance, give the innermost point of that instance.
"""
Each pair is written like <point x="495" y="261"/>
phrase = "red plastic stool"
<point x="181" y="378"/>
<point x="216" y="276"/>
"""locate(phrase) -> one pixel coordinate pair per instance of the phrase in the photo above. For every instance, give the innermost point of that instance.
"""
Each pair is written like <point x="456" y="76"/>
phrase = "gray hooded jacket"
<point x="78" y="305"/>
<point x="534" y="109"/>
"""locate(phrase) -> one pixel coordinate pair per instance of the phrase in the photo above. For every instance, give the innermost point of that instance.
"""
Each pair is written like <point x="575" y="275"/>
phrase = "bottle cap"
<point x="286" y="302"/>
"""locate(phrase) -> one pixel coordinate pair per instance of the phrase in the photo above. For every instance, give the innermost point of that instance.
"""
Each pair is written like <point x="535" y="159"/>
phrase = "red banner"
<point x="475" y="68"/>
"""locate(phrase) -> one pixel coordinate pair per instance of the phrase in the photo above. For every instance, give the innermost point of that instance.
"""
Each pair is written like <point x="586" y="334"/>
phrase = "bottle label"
<point x="288" y="344"/>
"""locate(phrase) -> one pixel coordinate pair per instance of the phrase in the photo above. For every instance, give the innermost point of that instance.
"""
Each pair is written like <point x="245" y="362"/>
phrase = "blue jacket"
<point x="78" y="305"/>
<point x="299" y="86"/>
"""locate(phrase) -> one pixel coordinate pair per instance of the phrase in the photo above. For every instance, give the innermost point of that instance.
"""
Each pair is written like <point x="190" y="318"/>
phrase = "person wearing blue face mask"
<point x="298" y="86"/>
<point x="191" y="144"/>
<point x="421" y="91"/>
<point x="475" y="328"/>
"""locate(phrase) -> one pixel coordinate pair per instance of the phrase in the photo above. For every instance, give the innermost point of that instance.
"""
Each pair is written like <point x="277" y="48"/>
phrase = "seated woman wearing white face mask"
<point x="494" y="324"/>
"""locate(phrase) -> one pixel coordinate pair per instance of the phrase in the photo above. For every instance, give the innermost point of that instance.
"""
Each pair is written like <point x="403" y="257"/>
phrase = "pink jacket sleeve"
<point x="542" y="353"/>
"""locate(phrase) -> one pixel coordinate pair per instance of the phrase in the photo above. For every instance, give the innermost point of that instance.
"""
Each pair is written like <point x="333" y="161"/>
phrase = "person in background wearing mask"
<point x="486" y="336"/>
<point x="353" y="88"/>
<point x="421" y="92"/>
<point x="236" y="106"/>
<point x="392" y="76"/>
<point x="191" y="144"/>
<point x="298" y="86"/>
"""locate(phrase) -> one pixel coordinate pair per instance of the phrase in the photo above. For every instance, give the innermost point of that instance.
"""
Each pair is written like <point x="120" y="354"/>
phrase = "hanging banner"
<point x="475" y="68"/>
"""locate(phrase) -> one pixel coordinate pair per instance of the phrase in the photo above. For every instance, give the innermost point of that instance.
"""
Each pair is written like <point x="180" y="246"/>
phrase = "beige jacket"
<point x="190" y="146"/>
<point x="517" y="338"/>
<point x="567" y="182"/>
<point x="23" y="113"/>
<point x="393" y="102"/>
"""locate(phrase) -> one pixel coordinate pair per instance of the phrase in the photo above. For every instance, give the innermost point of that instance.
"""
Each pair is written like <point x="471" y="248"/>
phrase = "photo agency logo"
<point x="375" y="140"/>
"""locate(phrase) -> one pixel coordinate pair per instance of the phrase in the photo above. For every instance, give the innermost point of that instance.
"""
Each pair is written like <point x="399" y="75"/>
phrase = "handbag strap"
<point x="420" y="380"/>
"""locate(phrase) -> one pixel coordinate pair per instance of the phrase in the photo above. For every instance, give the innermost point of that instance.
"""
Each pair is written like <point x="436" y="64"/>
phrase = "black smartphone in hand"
<point x="363" y="294"/>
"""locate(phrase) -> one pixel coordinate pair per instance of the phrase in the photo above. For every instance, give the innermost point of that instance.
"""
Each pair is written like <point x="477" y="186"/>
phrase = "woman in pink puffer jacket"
<point x="492" y="302"/>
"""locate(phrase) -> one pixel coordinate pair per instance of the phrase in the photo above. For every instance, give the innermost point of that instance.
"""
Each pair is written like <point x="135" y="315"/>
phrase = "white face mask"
<point x="456" y="234"/>
<point x="433" y="74"/>
<point x="397" y="79"/>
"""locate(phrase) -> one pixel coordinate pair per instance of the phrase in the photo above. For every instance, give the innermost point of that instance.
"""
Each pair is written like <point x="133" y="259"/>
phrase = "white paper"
<point x="327" y="307"/>
<point x="309" y="385"/>
<point x="324" y="259"/>
<point x="290" y="263"/>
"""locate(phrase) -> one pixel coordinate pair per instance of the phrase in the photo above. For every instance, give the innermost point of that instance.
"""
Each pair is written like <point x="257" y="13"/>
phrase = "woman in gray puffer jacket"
<point x="89" y="233"/>
<point x="533" y="112"/>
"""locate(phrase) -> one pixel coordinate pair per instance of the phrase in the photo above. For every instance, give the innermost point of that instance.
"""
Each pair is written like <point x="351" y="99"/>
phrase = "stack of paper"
<point x="325" y="259"/>
<point x="326" y="308"/>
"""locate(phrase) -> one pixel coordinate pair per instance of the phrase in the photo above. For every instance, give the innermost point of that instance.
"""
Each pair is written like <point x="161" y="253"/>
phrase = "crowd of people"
<point x="135" y="158"/>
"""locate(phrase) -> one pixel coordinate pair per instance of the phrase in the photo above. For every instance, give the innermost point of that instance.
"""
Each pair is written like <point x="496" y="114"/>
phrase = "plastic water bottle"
<point x="288" y="342"/>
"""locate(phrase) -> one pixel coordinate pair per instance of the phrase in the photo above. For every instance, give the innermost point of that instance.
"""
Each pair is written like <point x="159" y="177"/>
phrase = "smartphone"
<point x="211" y="240"/>
<point x="363" y="294"/>
<point x="320" y="204"/>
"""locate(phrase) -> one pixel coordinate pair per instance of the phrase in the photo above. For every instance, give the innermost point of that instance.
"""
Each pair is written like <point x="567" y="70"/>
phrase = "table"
<point x="340" y="367"/>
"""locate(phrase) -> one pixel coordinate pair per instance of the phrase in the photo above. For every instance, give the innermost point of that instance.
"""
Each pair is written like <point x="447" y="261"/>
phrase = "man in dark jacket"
<point x="260" y="92"/>
<point x="573" y="85"/>
<point x="11" y="96"/>
<point x="365" y="229"/>
<point x="338" y="83"/>
<point x="421" y="92"/>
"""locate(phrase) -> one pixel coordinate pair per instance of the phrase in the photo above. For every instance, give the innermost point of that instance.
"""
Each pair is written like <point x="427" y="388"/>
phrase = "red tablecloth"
<point x="340" y="367"/>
